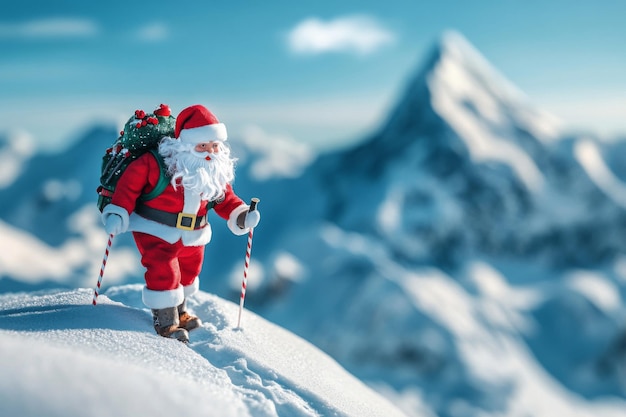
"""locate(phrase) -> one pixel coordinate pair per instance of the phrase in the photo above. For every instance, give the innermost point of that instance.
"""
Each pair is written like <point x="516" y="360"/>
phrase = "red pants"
<point x="168" y="265"/>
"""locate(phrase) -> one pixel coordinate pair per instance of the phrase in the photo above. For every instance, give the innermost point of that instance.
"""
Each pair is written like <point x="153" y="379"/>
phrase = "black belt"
<point x="184" y="221"/>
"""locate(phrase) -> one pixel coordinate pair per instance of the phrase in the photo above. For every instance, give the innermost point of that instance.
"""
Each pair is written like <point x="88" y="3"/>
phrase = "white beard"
<point x="207" y="178"/>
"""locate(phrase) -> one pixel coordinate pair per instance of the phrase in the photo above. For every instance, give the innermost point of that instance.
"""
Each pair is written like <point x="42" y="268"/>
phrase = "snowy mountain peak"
<point x="474" y="112"/>
<point x="479" y="106"/>
<point x="454" y="53"/>
<point x="461" y="73"/>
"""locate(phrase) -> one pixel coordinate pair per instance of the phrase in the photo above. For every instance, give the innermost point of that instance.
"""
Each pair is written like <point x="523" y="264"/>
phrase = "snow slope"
<point x="61" y="356"/>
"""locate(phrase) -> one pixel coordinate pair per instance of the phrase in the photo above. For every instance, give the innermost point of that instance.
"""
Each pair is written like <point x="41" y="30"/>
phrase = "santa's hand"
<point x="252" y="219"/>
<point x="113" y="225"/>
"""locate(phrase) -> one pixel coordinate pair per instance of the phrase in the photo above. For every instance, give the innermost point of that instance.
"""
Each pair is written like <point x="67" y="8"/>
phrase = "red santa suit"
<point x="172" y="248"/>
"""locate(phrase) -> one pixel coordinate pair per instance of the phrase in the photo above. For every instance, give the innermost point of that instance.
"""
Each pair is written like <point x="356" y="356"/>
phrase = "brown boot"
<point x="187" y="321"/>
<point x="167" y="324"/>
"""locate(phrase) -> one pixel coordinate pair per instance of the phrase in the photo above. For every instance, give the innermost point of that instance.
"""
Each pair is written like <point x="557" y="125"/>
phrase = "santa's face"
<point x="205" y="168"/>
<point x="207" y="147"/>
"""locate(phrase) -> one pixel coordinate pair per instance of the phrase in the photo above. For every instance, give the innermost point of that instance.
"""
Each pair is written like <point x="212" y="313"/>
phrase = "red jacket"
<point x="140" y="177"/>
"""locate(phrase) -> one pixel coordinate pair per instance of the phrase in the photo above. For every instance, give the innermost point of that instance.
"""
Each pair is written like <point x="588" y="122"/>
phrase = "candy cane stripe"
<point x="104" y="263"/>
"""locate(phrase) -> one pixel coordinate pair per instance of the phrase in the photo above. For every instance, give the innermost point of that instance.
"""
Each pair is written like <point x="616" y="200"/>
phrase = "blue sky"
<point x="324" y="73"/>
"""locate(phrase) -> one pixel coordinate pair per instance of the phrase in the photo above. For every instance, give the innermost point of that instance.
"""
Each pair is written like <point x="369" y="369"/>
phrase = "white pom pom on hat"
<point x="196" y="124"/>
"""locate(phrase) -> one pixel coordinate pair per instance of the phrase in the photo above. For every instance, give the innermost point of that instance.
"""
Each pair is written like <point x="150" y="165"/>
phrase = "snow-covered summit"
<point x="486" y="111"/>
<point x="457" y="64"/>
<point x="484" y="116"/>
<point x="61" y="356"/>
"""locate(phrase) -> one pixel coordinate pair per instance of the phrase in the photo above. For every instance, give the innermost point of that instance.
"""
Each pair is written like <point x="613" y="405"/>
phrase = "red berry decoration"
<point x="163" y="110"/>
<point x="159" y="124"/>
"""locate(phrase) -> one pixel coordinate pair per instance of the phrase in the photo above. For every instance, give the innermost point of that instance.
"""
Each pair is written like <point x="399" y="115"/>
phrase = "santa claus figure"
<point x="171" y="230"/>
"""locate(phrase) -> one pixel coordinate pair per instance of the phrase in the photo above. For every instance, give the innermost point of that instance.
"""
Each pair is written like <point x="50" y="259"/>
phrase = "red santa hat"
<point x="196" y="124"/>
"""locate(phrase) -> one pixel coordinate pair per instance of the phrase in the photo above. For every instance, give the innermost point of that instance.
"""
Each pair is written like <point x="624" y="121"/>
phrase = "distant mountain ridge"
<point x="53" y="186"/>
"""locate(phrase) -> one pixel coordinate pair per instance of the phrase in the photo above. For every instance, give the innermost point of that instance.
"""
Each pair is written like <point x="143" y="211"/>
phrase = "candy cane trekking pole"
<point x="244" y="283"/>
<point x="104" y="264"/>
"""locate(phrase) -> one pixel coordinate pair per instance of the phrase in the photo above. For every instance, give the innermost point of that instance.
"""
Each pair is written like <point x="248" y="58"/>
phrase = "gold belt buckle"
<point x="186" y="221"/>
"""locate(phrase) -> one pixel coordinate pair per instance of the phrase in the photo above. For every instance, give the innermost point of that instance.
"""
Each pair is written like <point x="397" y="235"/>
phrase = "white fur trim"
<point x="157" y="300"/>
<point x="192" y="288"/>
<point x="170" y="234"/>
<point x="207" y="133"/>
<point x="191" y="202"/>
<point x="120" y="211"/>
<point x="197" y="237"/>
<point x="232" y="220"/>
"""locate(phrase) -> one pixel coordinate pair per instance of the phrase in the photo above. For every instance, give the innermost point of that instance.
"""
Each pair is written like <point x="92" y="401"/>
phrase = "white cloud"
<point x="49" y="28"/>
<point x="153" y="32"/>
<point x="355" y="34"/>
<point x="278" y="156"/>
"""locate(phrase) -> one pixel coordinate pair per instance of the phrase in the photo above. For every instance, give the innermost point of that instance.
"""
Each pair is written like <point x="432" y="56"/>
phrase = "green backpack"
<point x="142" y="133"/>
